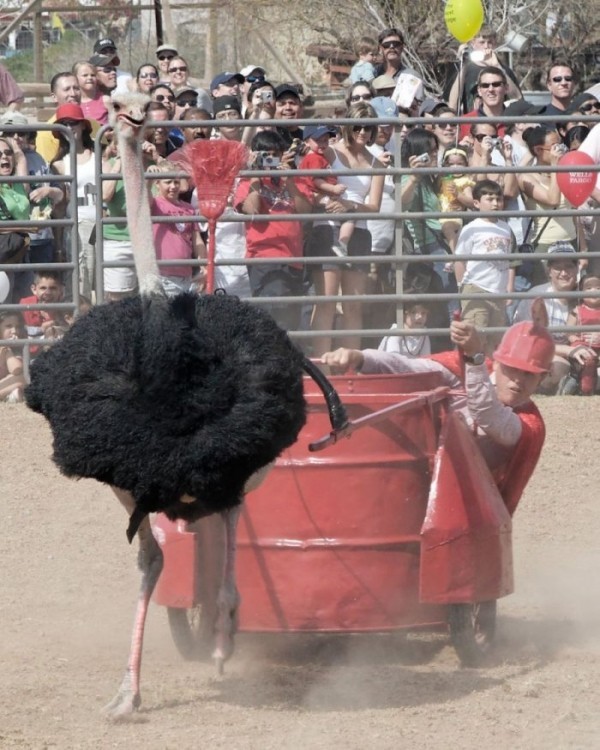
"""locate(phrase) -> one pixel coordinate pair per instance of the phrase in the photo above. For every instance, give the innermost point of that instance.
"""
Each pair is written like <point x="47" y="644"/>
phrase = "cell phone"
<point x="422" y="158"/>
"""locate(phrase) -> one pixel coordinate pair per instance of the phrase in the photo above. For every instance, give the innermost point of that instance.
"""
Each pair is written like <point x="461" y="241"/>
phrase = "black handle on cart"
<point x="337" y="411"/>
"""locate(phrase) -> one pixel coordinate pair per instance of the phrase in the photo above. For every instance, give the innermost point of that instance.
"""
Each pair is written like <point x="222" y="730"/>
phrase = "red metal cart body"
<point x="381" y="531"/>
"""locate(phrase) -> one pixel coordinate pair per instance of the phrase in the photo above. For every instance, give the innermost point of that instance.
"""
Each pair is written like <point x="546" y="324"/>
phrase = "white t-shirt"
<point x="409" y="346"/>
<point x="483" y="237"/>
<point x="557" y="309"/>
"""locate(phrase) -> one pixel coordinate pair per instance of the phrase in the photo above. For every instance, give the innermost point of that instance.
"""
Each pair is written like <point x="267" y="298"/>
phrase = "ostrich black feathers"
<point x="164" y="398"/>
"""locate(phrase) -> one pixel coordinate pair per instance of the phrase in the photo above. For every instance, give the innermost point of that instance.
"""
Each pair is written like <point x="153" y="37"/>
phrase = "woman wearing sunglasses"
<point x="363" y="194"/>
<point x="360" y="91"/>
<point x="145" y="78"/>
<point x="94" y="102"/>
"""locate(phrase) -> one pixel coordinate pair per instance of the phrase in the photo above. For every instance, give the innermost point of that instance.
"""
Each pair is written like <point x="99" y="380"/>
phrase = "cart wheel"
<point x="192" y="635"/>
<point x="472" y="629"/>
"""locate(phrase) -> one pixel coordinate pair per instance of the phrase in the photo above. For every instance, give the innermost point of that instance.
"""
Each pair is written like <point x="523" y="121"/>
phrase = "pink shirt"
<point x="95" y="109"/>
<point x="173" y="241"/>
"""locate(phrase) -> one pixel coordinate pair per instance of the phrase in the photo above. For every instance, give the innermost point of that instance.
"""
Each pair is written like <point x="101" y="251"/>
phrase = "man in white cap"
<point x="251" y="74"/>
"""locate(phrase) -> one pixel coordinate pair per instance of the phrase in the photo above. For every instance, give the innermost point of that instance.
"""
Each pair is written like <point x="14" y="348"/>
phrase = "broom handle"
<point x="210" y="268"/>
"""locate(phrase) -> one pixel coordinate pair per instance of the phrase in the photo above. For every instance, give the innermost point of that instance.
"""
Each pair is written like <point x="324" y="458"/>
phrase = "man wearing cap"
<point x="164" y="54"/>
<point x="391" y="46"/>
<point x="106" y="56"/>
<point x="251" y="74"/>
<point x="226" y="84"/>
<point x="228" y="108"/>
<point x="383" y="85"/>
<point x="497" y="403"/>
<point x="288" y="107"/>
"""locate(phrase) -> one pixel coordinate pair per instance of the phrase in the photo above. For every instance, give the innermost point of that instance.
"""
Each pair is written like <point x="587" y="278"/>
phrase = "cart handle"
<point x="438" y="394"/>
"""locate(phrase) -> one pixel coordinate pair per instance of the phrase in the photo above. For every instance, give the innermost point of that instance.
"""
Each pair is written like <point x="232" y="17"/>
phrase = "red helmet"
<point x="526" y="346"/>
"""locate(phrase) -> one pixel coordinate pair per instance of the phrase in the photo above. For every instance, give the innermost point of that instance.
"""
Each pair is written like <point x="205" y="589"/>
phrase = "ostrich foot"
<point x="226" y="625"/>
<point x="124" y="704"/>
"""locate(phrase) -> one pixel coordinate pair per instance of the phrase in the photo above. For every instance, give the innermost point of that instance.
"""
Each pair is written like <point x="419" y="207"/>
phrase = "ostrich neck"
<point x="138" y="216"/>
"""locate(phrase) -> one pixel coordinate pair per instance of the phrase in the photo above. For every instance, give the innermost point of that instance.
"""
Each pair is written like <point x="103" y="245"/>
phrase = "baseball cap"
<point x="286" y="88"/>
<point x="166" y="48"/>
<point x="522" y="107"/>
<point x="384" y="106"/>
<point x="578" y="100"/>
<point x="225" y="104"/>
<point x="103" y="43"/>
<point x="71" y="111"/>
<point x="13" y="118"/>
<point x="224" y="77"/>
<point x="100" y="61"/>
<point x="316" y="131"/>
<point x="246" y="70"/>
<point x="383" y="82"/>
<point x="184" y="90"/>
<point x="561" y="247"/>
<point x="429" y="106"/>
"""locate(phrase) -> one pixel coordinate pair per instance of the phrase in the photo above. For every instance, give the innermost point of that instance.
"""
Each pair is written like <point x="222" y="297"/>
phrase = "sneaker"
<point x="340" y="249"/>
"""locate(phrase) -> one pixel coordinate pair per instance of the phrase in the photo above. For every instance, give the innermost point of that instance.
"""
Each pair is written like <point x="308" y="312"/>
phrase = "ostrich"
<point x="180" y="405"/>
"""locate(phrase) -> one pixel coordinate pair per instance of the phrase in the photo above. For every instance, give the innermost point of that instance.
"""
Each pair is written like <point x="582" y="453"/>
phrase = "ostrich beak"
<point x="132" y="121"/>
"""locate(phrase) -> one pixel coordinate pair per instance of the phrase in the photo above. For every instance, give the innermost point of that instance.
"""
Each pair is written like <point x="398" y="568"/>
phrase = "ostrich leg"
<point x="150" y="562"/>
<point x="228" y="599"/>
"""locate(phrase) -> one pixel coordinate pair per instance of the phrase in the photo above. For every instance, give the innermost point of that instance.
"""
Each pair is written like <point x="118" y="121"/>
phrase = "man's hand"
<point x="342" y="360"/>
<point x="466" y="337"/>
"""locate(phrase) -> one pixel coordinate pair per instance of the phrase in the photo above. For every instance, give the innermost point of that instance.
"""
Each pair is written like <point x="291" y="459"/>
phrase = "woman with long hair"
<point x="72" y="116"/>
<point x="94" y="103"/>
<point x="145" y="78"/>
<point x="363" y="194"/>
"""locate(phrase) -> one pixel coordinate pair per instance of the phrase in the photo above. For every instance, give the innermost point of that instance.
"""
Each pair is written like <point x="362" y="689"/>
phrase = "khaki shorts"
<point x="484" y="313"/>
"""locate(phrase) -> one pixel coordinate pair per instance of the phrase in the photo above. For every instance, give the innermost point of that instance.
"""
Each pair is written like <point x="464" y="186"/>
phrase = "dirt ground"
<point x="69" y="583"/>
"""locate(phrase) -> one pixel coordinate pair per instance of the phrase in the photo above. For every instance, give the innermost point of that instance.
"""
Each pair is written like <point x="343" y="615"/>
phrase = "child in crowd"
<point x="363" y="69"/>
<point x="317" y="138"/>
<point x="485" y="236"/>
<point x="455" y="193"/>
<point x="12" y="381"/>
<point x="47" y="288"/>
<point x="415" y="316"/>
<point x="175" y="241"/>
<point x="584" y="378"/>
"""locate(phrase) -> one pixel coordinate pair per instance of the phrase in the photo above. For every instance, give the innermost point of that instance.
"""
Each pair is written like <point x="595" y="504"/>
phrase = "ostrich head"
<point x="129" y="113"/>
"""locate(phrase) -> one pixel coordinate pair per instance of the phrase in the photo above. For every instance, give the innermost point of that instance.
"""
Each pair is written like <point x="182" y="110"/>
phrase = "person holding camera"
<point x="274" y="195"/>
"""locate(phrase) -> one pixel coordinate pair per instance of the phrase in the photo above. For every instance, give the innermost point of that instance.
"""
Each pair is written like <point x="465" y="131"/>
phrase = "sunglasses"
<point x="6" y="152"/>
<point x="70" y="123"/>
<point x="480" y="136"/>
<point x="589" y="107"/>
<point x="492" y="84"/>
<point x="187" y="102"/>
<point x="254" y="79"/>
<point x="148" y="75"/>
<point x="107" y="69"/>
<point x="361" y="98"/>
<point x="166" y="57"/>
<point x="446" y="125"/>
<point x="560" y="79"/>
<point x="391" y="45"/>
<point x="164" y="97"/>
<point x="365" y="128"/>
<point x="180" y="69"/>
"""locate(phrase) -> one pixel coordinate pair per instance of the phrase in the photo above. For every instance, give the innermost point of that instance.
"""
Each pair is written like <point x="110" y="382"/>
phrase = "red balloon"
<point x="576" y="186"/>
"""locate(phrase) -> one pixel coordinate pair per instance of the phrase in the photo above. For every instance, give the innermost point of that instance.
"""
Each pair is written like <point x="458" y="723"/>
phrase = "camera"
<point x="265" y="160"/>
<point x="422" y="158"/>
<point x="266" y="96"/>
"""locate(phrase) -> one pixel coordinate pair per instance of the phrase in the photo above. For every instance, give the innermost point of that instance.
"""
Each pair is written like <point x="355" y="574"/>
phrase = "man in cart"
<point x="495" y="395"/>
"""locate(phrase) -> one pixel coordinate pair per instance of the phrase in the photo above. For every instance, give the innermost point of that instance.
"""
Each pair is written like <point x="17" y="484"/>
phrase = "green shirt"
<point x="117" y="207"/>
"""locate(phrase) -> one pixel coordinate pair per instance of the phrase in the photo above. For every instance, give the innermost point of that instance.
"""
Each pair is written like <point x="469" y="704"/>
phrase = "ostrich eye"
<point x="116" y="106"/>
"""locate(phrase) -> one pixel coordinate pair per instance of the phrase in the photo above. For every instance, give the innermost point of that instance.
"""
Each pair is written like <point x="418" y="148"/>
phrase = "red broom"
<point x="214" y="166"/>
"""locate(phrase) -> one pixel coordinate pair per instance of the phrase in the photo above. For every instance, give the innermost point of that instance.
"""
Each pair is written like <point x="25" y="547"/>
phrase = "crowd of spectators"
<point x="380" y="85"/>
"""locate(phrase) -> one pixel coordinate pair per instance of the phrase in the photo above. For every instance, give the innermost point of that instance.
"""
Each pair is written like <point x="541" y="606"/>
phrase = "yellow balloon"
<point x="463" y="18"/>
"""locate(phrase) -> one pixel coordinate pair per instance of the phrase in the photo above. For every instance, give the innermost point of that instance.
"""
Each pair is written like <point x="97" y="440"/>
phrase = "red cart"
<point x="399" y="526"/>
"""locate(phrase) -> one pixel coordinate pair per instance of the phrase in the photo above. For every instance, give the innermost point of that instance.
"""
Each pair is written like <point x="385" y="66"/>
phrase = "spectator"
<point x="514" y="131"/>
<point x="226" y="84"/>
<point x="164" y="54"/>
<point x="260" y="99"/>
<point x="363" y="194"/>
<point x="491" y="237"/>
<point x="14" y="197"/>
<point x="560" y="82"/>
<point x="491" y="88"/>
<point x="195" y="132"/>
<point x="163" y="94"/>
<point x="288" y="107"/>
<point x="179" y="77"/>
<point x="94" y="102"/>
<point x="382" y="231"/>
<point x="179" y="241"/>
<point x="12" y="380"/>
<point x="274" y="239"/>
<point x="455" y="192"/>
<point x="252" y="75"/>
<point x="574" y="137"/>
<point x="410" y="345"/>
<point x="587" y="313"/>
<point x="65" y="90"/>
<point x="446" y="132"/>
<point x="47" y="289"/>
<point x="541" y="191"/>
<point x="363" y="69"/>
<point x="228" y="108"/>
<point x="72" y="116"/>
<point x="106" y="56"/>
<point x="12" y="95"/>
<point x="106" y="75"/>
<point x="562" y="277"/>
<point x="481" y="54"/>
<point x="146" y="78"/>
<point x="158" y="143"/>
<point x="391" y="46"/>
<point x="383" y="85"/>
